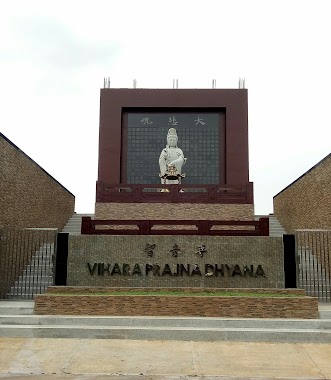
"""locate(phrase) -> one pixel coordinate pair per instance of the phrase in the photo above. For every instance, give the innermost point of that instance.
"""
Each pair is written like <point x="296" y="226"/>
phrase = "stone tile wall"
<point x="188" y="306"/>
<point x="30" y="197"/>
<point x="175" y="211"/>
<point x="306" y="203"/>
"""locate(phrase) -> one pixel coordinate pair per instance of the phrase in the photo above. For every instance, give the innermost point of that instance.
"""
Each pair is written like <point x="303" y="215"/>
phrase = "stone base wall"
<point x="168" y="211"/>
<point x="306" y="203"/>
<point x="186" y="306"/>
<point x="175" y="261"/>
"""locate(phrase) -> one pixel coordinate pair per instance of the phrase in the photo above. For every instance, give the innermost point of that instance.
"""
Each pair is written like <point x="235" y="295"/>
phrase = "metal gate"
<point x="26" y="261"/>
<point x="314" y="259"/>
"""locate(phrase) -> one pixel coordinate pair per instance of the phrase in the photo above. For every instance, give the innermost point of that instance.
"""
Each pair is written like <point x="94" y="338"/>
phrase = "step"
<point x="310" y="275"/>
<point x="321" y="296"/>
<point x="17" y="320"/>
<point x="317" y="294"/>
<point x="167" y="333"/>
<point x="320" y="282"/>
<point x="32" y="282"/>
<point x="39" y="267"/>
<point x="26" y="296"/>
<point x="187" y="322"/>
<point x="25" y="290"/>
<point x="317" y="287"/>
<point x="30" y="279"/>
<point x="40" y="264"/>
<point x="310" y="269"/>
<point x="73" y="226"/>
<point x="16" y="307"/>
<point x="42" y="259"/>
<point x="37" y="272"/>
<point x="29" y="287"/>
<point x="325" y="314"/>
<point x="47" y="253"/>
<point x="316" y="290"/>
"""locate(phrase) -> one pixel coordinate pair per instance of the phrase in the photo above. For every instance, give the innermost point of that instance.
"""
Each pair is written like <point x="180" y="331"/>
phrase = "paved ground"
<point x="131" y="359"/>
<point x="34" y="358"/>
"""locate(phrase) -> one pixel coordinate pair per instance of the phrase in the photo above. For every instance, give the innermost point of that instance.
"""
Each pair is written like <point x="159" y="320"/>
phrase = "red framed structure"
<point x="231" y="105"/>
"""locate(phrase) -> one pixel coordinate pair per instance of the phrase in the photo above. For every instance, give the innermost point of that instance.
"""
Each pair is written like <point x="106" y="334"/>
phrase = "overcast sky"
<point x="55" y="54"/>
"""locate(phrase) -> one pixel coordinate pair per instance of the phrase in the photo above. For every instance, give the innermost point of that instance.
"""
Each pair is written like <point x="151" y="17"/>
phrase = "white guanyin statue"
<point x="171" y="160"/>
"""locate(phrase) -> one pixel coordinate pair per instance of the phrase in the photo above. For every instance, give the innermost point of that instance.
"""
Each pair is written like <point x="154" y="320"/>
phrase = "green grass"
<point x="178" y="293"/>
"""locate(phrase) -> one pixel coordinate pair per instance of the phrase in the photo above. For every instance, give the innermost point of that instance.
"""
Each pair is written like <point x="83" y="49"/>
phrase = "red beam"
<point x="201" y="227"/>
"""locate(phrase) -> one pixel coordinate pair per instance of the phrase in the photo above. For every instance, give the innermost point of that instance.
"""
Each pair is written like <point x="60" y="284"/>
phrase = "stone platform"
<point x="90" y="301"/>
<point x="17" y="321"/>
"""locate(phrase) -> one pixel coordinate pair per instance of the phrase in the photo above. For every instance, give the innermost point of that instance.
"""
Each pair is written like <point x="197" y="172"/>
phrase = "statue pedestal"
<point x="171" y="176"/>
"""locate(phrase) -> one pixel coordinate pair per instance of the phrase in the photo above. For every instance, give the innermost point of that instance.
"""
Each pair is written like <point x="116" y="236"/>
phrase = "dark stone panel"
<point x="290" y="261"/>
<point x="198" y="137"/>
<point x="61" y="259"/>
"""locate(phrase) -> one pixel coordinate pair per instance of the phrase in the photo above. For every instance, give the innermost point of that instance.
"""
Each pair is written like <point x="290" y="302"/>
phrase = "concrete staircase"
<point x="312" y="276"/>
<point x="74" y="224"/>
<point x="275" y="228"/>
<point x="17" y="320"/>
<point x="36" y="276"/>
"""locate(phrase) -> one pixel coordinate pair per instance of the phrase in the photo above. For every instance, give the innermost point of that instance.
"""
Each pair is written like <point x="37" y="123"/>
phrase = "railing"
<point x="226" y="194"/>
<point x="26" y="261"/>
<point x="172" y="227"/>
<point x="314" y="256"/>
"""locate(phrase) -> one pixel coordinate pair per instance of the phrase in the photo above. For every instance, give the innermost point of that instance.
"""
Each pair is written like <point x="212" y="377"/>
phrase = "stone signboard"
<point x="176" y="261"/>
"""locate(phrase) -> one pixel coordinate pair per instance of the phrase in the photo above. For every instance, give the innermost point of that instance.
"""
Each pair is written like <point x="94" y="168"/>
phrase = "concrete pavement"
<point x="131" y="359"/>
<point x="121" y="359"/>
